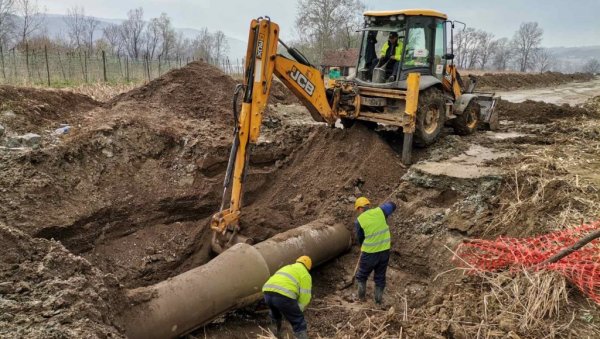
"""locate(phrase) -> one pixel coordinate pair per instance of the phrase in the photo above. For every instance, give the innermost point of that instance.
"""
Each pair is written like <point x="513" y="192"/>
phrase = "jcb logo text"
<point x="302" y="81"/>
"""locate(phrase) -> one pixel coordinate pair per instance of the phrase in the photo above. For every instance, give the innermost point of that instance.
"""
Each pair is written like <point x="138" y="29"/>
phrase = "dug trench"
<point x="130" y="190"/>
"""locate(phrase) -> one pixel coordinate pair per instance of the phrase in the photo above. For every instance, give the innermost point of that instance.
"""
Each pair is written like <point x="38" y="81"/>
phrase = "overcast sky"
<point x="565" y="23"/>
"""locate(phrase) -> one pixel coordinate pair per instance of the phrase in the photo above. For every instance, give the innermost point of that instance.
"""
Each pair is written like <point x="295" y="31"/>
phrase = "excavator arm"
<point x="262" y="61"/>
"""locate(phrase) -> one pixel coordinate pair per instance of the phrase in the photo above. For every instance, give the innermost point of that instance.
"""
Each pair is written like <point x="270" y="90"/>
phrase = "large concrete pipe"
<point x="232" y="280"/>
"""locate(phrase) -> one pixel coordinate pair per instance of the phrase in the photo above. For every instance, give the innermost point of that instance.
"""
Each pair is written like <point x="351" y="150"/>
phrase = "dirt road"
<point x="571" y="93"/>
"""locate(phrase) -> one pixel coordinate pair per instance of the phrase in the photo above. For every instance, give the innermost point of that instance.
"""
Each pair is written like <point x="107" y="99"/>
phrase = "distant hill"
<point x="572" y="58"/>
<point x="56" y="26"/>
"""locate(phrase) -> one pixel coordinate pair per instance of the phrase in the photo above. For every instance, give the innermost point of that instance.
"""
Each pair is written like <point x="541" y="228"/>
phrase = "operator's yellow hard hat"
<point x="306" y="261"/>
<point x="361" y="202"/>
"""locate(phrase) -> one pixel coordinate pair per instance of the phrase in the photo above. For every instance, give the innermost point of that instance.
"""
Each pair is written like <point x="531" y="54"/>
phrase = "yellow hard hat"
<point x="361" y="202"/>
<point x="306" y="261"/>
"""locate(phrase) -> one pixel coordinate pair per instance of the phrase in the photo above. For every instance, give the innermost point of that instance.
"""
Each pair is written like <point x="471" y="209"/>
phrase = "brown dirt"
<point x="508" y="81"/>
<point x="536" y="112"/>
<point x="35" y="110"/>
<point x="129" y="193"/>
<point x="48" y="292"/>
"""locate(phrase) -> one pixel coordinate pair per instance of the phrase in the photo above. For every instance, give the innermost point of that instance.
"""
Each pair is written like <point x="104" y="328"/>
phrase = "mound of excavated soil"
<point x="537" y="112"/>
<point x="197" y="90"/>
<point x="322" y="178"/>
<point x="506" y="81"/>
<point x="47" y="292"/>
<point x="593" y="105"/>
<point x="24" y="110"/>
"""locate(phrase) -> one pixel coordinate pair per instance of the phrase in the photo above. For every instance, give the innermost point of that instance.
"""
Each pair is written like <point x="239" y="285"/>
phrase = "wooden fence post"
<point x="47" y="64"/>
<point x="15" y="76"/>
<point x="81" y="64"/>
<point x="104" y="65"/>
<point x="120" y="65"/>
<point x="85" y="63"/>
<point x="159" y="65"/>
<point x="62" y="69"/>
<point x="27" y="61"/>
<point x="148" y="66"/>
<point x="2" y="56"/>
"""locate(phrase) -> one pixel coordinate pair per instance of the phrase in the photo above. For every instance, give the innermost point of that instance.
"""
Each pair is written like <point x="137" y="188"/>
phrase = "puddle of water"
<point x="571" y="93"/>
<point x="469" y="165"/>
<point x="504" y="135"/>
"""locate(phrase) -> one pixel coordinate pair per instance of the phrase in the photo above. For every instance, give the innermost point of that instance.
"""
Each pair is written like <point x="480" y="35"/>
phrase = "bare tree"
<point x="32" y="18"/>
<point x="486" y="48"/>
<point x="7" y="24"/>
<point x="319" y="21"/>
<point x="466" y="42"/>
<point x="543" y="60"/>
<point x="112" y="35"/>
<point x="526" y="40"/>
<point x="502" y="54"/>
<point x="131" y="32"/>
<point x="183" y="46"/>
<point x="91" y="24"/>
<point x="221" y="47"/>
<point x="76" y="26"/>
<point x="152" y="37"/>
<point x="592" y="66"/>
<point x="167" y="35"/>
<point x="204" y="45"/>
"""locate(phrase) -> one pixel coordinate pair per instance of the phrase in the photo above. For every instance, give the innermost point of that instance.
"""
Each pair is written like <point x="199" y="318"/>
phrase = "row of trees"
<point x="22" y="25"/>
<point x="332" y="24"/>
<point x="19" y="20"/>
<point x="475" y="48"/>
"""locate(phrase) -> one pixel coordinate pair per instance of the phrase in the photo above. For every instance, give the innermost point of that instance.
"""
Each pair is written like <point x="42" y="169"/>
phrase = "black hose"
<point x="236" y="92"/>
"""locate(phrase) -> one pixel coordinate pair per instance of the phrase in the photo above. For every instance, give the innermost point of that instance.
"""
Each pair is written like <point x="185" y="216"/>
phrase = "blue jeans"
<point x="370" y="262"/>
<point x="288" y="307"/>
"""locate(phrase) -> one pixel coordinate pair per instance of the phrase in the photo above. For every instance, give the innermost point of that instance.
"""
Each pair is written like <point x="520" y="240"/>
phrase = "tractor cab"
<point x="396" y="43"/>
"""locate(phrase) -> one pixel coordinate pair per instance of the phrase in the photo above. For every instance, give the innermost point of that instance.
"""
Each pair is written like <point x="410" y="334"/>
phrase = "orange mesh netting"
<point x="581" y="267"/>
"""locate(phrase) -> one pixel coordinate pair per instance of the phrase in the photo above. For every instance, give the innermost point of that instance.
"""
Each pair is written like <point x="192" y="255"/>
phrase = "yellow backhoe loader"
<point x="418" y="95"/>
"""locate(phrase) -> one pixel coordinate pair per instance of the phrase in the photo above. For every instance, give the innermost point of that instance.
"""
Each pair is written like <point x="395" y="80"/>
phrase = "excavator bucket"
<point x="488" y="114"/>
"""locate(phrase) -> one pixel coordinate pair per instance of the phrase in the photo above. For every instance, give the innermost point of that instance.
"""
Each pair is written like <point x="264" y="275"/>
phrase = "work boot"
<point x="362" y="290"/>
<point x="276" y="328"/>
<point x="378" y="295"/>
<point x="301" y="335"/>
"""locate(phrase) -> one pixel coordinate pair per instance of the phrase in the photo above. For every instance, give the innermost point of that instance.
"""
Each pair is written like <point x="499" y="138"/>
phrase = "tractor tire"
<point x="431" y="116"/>
<point x="468" y="121"/>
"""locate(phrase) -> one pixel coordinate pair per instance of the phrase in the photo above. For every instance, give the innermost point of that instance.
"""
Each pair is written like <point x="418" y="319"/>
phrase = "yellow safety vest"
<point x="292" y="281"/>
<point x="397" y="53"/>
<point x="377" y="231"/>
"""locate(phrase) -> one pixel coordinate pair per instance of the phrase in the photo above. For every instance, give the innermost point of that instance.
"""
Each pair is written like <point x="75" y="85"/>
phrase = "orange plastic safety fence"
<point x="581" y="267"/>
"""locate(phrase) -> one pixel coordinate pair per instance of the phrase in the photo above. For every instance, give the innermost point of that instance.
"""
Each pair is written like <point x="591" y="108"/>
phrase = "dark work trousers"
<point x="370" y="262"/>
<point x="288" y="307"/>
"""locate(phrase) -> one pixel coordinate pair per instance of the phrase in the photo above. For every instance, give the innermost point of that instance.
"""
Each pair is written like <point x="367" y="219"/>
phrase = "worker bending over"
<point x="287" y="293"/>
<point x="373" y="234"/>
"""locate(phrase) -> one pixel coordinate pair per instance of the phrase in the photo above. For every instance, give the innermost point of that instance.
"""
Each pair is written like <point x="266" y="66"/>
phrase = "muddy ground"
<point x="123" y="200"/>
<point x="511" y="81"/>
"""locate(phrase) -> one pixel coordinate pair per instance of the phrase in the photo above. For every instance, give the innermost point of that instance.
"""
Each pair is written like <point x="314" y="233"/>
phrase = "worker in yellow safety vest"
<point x="391" y="54"/>
<point x="287" y="293"/>
<point x="373" y="234"/>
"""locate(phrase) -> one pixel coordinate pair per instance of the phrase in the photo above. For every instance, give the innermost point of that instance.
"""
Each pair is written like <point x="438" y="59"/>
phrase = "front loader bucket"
<point x="488" y="115"/>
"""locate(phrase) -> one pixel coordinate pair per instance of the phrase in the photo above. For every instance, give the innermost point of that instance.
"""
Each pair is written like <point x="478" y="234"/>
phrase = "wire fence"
<point x="59" y="68"/>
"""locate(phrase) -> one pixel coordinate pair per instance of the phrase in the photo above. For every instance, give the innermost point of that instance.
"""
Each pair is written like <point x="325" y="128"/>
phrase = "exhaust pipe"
<point x="232" y="280"/>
